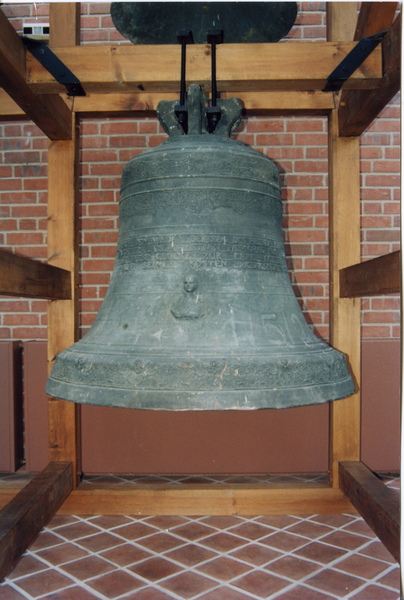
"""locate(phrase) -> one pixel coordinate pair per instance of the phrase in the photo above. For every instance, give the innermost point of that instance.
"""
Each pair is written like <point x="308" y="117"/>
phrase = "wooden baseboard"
<point x="201" y="499"/>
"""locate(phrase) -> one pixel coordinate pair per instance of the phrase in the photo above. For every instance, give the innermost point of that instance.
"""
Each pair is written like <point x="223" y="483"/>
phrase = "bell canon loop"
<point x="200" y="313"/>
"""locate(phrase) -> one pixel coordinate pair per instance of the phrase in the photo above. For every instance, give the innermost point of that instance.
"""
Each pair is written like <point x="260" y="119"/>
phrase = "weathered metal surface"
<point x="158" y="22"/>
<point x="200" y="313"/>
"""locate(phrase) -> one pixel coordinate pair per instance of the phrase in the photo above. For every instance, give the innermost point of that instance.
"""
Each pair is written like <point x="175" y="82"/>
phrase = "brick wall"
<point x="297" y="145"/>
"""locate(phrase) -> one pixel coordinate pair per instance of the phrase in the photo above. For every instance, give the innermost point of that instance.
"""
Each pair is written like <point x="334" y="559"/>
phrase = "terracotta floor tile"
<point x="223" y="542"/>
<point x="224" y="568"/>
<point x="9" y="593"/>
<point x="300" y="592"/>
<point x="310" y="529"/>
<point x="255" y="554"/>
<point x="46" y="581"/>
<point x="73" y="593"/>
<point x="115" y="584"/>
<point x="188" y="584"/>
<point x="362" y="566"/>
<point x="284" y="541"/>
<point x="277" y="521"/>
<point x="148" y="593"/>
<point x="155" y="568"/>
<point x="77" y="530"/>
<point x="260" y="583"/>
<point x="125" y="555"/>
<point x="166" y="522"/>
<point x="109" y="521"/>
<point x="190" y="555"/>
<point x="375" y="592"/>
<point x="101" y="541"/>
<point x="62" y="554"/>
<point x="320" y="552"/>
<point x="361" y="528"/>
<point x="293" y="567"/>
<point x="225" y="593"/>
<point x="344" y="539"/>
<point x="160" y="542"/>
<point x="332" y="582"/>
<point x="134" y="531"/>
<point x="193" y="531"/>
<point x="44" y="540"/>
<point x="377" y="550"/>
<point x="222" y="522"/>
<point x="251" y="530"/>
<point x="392" y="579"/>
<point x="60" y="520"/>
<point x="88" y="567"/>
<point x="27" y="565"/>
<point x="333" y="520"/>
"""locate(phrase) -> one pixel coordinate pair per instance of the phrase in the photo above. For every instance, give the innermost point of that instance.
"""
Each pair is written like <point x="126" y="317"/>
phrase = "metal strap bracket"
<point x="352" y="61"/>
<point x="54" y="65"/>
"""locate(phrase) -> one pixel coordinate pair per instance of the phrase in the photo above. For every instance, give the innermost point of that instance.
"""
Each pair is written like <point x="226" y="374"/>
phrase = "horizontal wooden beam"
<point x="298" y="66"/>
<point x="191" y="499"/>
<point x="21" y="276"/>
<point x="358" y="108"/>
<point x="379" y="275"/>
<point x="30" y="510"/>
<point x="139" y="104"/>
<point x="377" y="504"/>
<point x="50" y="113"/>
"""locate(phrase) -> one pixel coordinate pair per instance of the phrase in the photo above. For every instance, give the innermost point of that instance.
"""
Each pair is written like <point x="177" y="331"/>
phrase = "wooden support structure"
<point x="50" y="113"/>
<point x="30" y="510"/>
<point x="21" y="276"/>
<point x="134" y="79"/>
<point x="380" y="275"/>
<point x="376" y="503"/>
<point x="63" y="252"/>
<point x="344" y="228"/>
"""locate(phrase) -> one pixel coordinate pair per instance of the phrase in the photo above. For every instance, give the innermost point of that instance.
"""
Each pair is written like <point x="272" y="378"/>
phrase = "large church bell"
<point x="200" y="313"/>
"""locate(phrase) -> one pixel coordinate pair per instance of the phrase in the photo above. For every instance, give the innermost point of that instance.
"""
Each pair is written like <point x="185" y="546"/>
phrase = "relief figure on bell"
<point x="190" y="305"/>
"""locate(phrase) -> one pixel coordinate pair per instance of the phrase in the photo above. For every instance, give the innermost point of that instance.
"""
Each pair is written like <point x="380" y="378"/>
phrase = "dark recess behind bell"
<point x="241" y="22"/>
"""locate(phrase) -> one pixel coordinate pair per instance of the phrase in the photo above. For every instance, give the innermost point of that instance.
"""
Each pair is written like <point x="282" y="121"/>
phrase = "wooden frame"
<point x="270" y="97"/>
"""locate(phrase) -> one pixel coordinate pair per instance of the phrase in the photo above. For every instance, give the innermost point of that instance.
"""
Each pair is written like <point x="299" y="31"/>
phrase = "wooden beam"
<point x="374" y="17"/>
<point x="140" y="104"/>
<point x="377" y="504"/>
<point x="21" y="276"/>
<point x="50" y="113"/>
<point x="377" y="276"/>
<point x="344" y="233"/>
<point x="190" y="499"/>
<point x="30" y="510"/>
<point x="358" y="108"/>
<point x="64" y="24"/>
<point x="63" y="251"/>
<point x="291" y="66"/>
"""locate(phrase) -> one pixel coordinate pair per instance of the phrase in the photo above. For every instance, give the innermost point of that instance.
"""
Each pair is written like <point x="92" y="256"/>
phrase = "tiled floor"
<point x="317" y="557"/>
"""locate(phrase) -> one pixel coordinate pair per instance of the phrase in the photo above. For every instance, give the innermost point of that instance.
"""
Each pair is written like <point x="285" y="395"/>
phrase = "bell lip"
<point x="191" y="401"/>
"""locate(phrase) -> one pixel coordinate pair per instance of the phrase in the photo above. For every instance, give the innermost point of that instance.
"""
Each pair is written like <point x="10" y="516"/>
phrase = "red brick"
<point x="99" y="156"/>
<point x="375" y="221"/>
<point x="383" y="235"/>
<point x="24" y="238"/>
<point x="128" y="141"/>
<point x="94" y="141"/>
<point x="101" y="237"/>
<point x="311" y="139"/>
<point x="383" y="180"/>
<point x="106" y="169"/>
<point x="25" y="319"/>
<point x="389" y="303"/>
<point x="290" y="222"/>
<point x="98" y="265"/>
<point x="311" y="166"/>
<point x="273" y="139"/>
<point x="119" y="128"/>
<point x="305" y="125"/>
<point x="13" y="305"/>
<point x="384" y="166"/>
<point x="94" y="35"/>
<point x="303" y="208"/>
<point x="10" y="184"/>
<point x="271" y="125"/>
<point x="317" y="152"/>
<point x="103" y="251"/>
<point x="8" y="225"/>
<point x="100" y="223"/>
<point x="315" y="263"/>
<point x="307" y="235"/>
<point x="146" y="126"/>
<point x="97" y="196"/>
<point x="29" y="333"/>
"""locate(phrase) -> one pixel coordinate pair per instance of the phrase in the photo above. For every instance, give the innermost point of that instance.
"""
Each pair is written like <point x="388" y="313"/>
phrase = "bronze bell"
<point x="200" y="313"/>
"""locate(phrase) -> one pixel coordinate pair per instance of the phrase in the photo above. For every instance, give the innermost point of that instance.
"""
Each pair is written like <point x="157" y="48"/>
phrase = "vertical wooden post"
<point x="344" y="209"/>
<point x="63" y="251"/>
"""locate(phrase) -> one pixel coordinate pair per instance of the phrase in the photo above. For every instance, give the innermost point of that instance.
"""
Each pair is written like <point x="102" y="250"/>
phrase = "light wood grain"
<point x="50" y="112"/>
<point x="344" y="233"/>
<point x="240" y="67"/>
